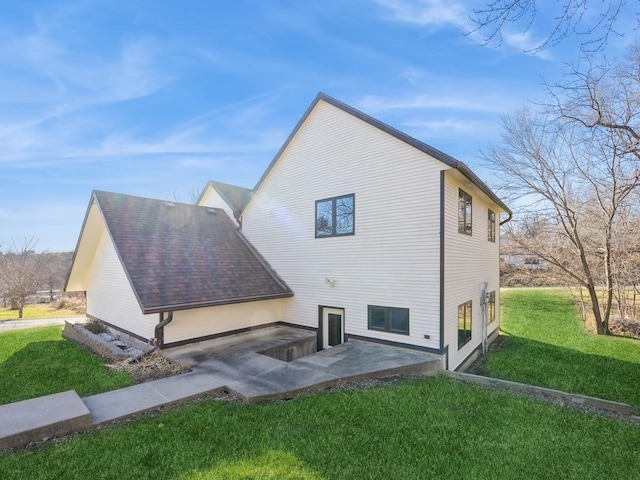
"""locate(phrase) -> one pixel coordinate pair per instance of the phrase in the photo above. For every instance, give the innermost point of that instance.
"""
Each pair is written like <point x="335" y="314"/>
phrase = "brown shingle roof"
<point x="180" y="256"/>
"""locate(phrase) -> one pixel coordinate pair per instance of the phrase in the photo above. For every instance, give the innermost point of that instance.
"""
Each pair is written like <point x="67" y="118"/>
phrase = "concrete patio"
<point x="232" y="364"/>
<point x="236" y="363"/>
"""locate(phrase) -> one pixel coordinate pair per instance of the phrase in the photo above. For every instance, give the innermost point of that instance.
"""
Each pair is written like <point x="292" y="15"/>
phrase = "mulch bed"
<point x="150" y="367"/>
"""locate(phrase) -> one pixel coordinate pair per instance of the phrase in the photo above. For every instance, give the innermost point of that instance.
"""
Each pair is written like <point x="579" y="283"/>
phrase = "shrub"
<point x="72" y="301"/>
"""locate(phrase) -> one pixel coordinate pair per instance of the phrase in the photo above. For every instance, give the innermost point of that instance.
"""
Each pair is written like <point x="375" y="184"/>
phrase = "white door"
<point x="332" y="327"/>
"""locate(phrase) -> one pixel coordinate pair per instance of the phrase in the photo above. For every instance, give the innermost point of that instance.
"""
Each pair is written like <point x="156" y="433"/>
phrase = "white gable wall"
<point x="109" y="294"/>
<point x="392" y="260"/>
<point x="469" y="261"/>
<point x="212" y="198"/>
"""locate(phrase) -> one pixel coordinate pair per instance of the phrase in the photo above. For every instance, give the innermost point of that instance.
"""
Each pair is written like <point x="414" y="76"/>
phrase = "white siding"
<point x="212" y="198"/>
<point x="393" y="258"/>
<point x="469" y="261"/>
<point x="109" y="294"/>
<point x="202" y="322"/>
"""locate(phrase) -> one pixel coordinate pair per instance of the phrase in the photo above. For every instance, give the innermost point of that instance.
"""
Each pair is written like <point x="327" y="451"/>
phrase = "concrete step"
<point x="119" y="404"/>
<point x="40" y="418"/>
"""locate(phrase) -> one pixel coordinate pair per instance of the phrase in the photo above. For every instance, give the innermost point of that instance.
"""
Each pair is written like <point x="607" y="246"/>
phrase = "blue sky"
<point x="155" y="98"/>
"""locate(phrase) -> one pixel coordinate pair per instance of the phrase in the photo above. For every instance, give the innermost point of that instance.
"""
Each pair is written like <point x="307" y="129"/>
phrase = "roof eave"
<point x="227" y="301"/>
<point x="423" y="147"/>
<point x="466" y="171"/>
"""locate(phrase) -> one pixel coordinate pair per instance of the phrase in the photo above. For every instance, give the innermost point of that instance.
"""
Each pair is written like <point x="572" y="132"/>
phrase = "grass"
<point x="428" y="428"/>
<point x="37" y="311"/>
<point x="38" y="361"/>
<point x="545" y="343"/>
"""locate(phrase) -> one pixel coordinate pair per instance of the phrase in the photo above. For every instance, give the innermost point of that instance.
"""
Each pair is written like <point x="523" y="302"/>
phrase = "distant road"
<point x="43" y="322"/>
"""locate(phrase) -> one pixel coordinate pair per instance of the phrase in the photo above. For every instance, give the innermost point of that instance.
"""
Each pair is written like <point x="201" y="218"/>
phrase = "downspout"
<point x="507" y="219"/>
<point x="158" y="339"/>
<point x="159" y="331"/>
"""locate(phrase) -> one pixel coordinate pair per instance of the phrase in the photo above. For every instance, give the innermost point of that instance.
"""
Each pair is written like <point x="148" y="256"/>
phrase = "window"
<point x="335" y="216"/>
<point x="491" y="225"/>
<point x="464" y="212"/>
<point x="491" y="308"/>
<point x="389" y="319"/>
<point x="531" y="261"/>
<point x="464" y="323"/>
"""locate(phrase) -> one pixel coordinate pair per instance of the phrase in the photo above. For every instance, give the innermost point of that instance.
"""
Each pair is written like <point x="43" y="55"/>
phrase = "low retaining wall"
<point x="82" y="336"/>
<point x="293" y="350"/>
<point x="556" y="396"/>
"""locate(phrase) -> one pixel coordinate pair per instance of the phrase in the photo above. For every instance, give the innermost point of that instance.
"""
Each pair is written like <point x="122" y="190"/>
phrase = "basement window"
<point x="389" y="319"/>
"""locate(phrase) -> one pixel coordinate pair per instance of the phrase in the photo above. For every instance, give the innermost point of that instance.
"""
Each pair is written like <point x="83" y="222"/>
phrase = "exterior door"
<point x="332" y="327"/>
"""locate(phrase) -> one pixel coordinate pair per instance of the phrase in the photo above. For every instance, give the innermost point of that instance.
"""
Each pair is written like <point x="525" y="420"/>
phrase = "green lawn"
<point x="546" y="344"/>
<point x="38" y="361"/>
<point x="42" y="310"/>
<point x="428" y="428"/>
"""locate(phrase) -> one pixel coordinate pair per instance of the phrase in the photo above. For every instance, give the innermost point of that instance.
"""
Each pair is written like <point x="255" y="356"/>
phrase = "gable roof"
<point x="234" y="196"/>
<point x="423" y="147"/>
<point x="179" y="256"/>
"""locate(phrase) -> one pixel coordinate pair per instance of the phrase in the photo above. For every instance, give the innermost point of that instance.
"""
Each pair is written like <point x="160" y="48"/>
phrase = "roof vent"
<point x="169" y="204"/>
<point x="212" y="211"/>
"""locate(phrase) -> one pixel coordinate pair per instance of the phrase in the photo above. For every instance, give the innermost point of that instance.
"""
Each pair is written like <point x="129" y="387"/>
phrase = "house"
<point x="355" y="230"/>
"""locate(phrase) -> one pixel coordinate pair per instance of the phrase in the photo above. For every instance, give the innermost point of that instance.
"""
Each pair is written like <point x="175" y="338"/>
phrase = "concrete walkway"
<point x="230" y="364"/>
<point x="43" y="322"/>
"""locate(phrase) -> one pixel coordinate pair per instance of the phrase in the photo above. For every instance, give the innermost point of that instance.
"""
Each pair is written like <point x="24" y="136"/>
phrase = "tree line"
<point x="23" y="273"/>
<point x="572" y="169"/>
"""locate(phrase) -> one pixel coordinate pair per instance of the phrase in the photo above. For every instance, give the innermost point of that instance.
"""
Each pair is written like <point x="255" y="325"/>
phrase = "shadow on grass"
<point x="530" y="361"/>
<point x="53" y="366"/>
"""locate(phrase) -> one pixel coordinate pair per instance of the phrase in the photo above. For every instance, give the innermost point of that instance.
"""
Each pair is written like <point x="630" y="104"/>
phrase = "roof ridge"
<point x="409" y="140"/>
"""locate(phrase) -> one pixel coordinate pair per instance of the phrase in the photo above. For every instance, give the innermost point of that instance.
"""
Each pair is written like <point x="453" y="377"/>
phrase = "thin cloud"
<point x="428" y="13"/>
<point x="447" y="125"/>
<point x="467" y="101"/>
<point x="438" y="14"/>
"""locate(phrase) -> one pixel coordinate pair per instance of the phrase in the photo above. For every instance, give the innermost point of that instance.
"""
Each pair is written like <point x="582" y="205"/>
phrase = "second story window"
<point x="335" y="216"/>
<point x="491" y="226"/>
<point x="464" y="212"/>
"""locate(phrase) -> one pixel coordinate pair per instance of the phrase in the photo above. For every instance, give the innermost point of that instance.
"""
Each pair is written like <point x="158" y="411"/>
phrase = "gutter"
<point x="508" y="218"/>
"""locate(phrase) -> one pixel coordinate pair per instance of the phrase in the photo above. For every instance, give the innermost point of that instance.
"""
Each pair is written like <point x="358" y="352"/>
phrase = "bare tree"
<point x="193" y="195"/>
<point x="54" y="270"/>
<point x="20" y="270"/>
<point x="579" y="182"/>
<point x="593" y="20"/>
<point x="605" y="96"/>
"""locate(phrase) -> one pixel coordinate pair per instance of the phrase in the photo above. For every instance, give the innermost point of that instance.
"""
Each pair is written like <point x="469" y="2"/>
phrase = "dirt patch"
<point x="479" y="366"/>
<point x="625" y="327"/>
<point x="150" y="367"/>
